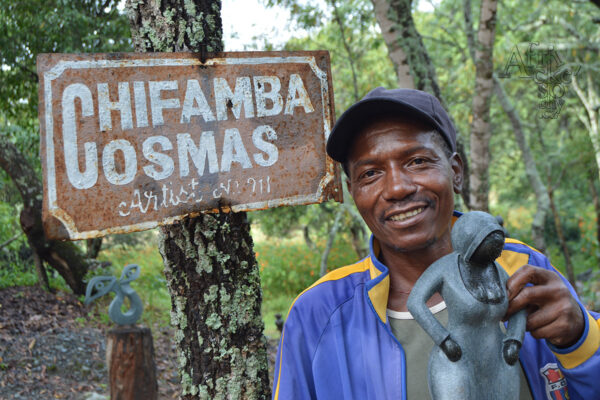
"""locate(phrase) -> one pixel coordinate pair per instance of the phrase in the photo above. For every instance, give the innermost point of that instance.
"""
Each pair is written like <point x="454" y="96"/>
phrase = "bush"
<point x="288" y="266"/>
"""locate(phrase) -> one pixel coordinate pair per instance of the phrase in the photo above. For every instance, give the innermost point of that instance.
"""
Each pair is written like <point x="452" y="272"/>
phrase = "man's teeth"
<point x="403" y="216"/>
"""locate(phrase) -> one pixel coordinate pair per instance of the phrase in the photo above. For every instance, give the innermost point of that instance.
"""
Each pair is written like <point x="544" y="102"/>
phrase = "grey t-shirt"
<point x="417" y="345"/>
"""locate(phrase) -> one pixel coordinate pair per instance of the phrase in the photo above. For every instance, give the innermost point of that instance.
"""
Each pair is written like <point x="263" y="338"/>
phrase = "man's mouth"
<point x="406" y="215"/>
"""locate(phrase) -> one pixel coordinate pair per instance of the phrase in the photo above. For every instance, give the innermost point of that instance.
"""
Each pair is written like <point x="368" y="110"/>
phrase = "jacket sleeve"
<point x="580" y="363"/>
<point x="293" y="366"/>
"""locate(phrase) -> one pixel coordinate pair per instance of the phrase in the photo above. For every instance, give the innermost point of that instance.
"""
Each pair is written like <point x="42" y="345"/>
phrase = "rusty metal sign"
<point x="132" y="141"/>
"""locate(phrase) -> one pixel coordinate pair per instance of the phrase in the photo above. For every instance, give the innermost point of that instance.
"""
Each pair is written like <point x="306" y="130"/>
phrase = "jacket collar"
<point x="378" y="287"/>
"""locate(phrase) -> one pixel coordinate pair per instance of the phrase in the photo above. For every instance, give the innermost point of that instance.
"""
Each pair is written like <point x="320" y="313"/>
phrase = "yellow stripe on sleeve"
<point x="587" y="348"/>
<point x="511" y="261"/>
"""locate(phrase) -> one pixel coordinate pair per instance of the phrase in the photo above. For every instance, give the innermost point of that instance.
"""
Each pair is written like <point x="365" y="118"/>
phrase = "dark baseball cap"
<point x="381" y="102"/>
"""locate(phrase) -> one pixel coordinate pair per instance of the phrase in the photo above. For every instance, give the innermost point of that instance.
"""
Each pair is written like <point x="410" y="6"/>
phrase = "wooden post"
<point x="130" y="361"/>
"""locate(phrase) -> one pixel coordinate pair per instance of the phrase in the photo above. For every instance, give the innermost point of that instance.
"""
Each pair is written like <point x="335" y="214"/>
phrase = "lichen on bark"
<point x="216" y="314"/>
<point x="408" y="39"/>
<point x="210" y="267"/>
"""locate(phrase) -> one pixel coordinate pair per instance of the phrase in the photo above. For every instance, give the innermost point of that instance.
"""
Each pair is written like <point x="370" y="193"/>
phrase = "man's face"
<point x="403" y="184"/>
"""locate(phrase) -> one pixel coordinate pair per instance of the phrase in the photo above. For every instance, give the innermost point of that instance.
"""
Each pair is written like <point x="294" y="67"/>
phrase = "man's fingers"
<point x="541" y="318"/>
<point x="526" y="297"/>
<point x="554" y="332"/>
<point x="524" y="275"/>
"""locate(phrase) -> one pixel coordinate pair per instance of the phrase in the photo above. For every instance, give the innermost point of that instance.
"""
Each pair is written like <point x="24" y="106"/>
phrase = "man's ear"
<point x="456" y="164"/>
<point x="349" y="184"/>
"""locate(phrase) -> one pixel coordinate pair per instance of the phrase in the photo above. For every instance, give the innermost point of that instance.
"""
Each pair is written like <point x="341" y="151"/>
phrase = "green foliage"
<point x="288" y="266"/>
<point x="31" y="27"/>
<point x="23" y="274"/>
<point x="151" y="285"/>
<point x="561" y="146"/>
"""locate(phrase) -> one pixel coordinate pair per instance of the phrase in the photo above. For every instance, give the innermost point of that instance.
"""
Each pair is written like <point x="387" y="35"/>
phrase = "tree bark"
<point x="64" y="257"/>
<point x="351" y="56"/>
<point x="541" y="194"/>
<point x="480" y="127"/>
<point x="215" y="295"/>
<point x="590" y="100"/>
<point x="414" y="67"/>
<point x="561" y="238"/>
<point x="539" y="189"/>
<point x="330" y="239"/>
<point x="40" y="271"/>
<point x="309" y="242"/>
<point x="405" y="46"/>
<point x="131" y="367"/>
<point x="211" y="270"/>
<point x="93" y="247"/>
<point x="596" y="200"/>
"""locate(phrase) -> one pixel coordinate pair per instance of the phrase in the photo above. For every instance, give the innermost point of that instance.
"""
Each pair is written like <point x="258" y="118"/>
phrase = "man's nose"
<point x="398" y="185"/>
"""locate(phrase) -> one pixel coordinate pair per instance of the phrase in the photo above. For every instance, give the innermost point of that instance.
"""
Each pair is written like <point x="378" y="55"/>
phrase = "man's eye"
<point x="368" y="174"/>
<point x="418" y="161"/>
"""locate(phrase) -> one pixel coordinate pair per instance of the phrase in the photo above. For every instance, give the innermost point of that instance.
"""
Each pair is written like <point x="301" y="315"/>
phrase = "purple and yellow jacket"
<point x="337" y="342"/>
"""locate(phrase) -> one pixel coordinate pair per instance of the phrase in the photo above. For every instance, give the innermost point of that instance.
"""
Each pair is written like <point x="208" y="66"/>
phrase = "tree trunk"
<point x="309" y="242"/>
<point x="93" y="247"/>
<point x="64" y="257"/>
<point x="405" y="46"/>
<point x="215" y="295"/>
<point x="330" y="239"/>
<point x="414" y="67"/>
<point x="351" y="56"/>
<point x="561" y="238"/>
<point x="480" y="127"/>
<point x="541" y="193"/>
<point x="40" y="271"/>
<point x="596" y="200"/>
<point x="131" y="367"/>
<point x="590" y="100"/>
<point x="209" y="261"/>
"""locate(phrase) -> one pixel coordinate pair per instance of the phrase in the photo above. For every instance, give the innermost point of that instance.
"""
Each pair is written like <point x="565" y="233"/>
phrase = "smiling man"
<point x="349" y="335"/>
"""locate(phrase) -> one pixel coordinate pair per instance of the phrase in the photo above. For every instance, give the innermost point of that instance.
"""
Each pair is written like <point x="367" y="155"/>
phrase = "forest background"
<point x="521" y="80"/>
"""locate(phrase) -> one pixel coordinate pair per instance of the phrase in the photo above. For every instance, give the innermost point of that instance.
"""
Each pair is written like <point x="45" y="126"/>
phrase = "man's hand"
<point x="451" y="349"/>
<point x="553" y="313"/>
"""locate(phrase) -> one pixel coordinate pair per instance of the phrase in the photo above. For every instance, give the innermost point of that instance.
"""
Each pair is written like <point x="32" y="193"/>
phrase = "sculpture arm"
<point x="517" y="322"/>
<point x="430" y="282"/>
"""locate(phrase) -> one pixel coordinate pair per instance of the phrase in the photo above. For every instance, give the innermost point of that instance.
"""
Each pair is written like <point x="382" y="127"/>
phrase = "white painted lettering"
<point x="232" y="142"/>
<point x="297" y="96"/>
<point x="141" y="108"/>
<point x="262" y="96"/>
<point x="225" y="98"/>
<point x="194" y="94"/>
<point x="87" y="179"/>
<point x="105" y="106"/>
<point x="268" y="148"/>
<point x="162" y="160"/>
<point x="108" y="162"/>
<point x="157" y="103"/>
<point x="206" y="149"/>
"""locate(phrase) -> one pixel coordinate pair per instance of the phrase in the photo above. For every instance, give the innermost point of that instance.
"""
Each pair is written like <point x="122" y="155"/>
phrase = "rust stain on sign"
<point x="132" y="141"/>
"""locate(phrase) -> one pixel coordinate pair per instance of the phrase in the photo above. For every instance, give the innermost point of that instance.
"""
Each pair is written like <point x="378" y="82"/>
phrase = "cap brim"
<point x="354" y="119"/>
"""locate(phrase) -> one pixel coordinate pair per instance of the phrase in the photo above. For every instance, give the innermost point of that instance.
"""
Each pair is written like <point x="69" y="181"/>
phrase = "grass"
<point x="151" y="286"/>
<point x="287" y="267"/>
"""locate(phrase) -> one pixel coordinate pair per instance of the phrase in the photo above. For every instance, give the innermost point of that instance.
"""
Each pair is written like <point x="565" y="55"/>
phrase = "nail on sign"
<point x="132" y="141"/>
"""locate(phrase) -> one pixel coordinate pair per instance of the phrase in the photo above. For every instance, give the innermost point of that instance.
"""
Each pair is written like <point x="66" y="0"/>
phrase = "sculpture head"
<point x="478" y="237"/>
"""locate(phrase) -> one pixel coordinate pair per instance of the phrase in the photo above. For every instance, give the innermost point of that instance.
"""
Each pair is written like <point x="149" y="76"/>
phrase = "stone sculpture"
<point x="105" y="284"/>
<point x="473" y="358"/>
